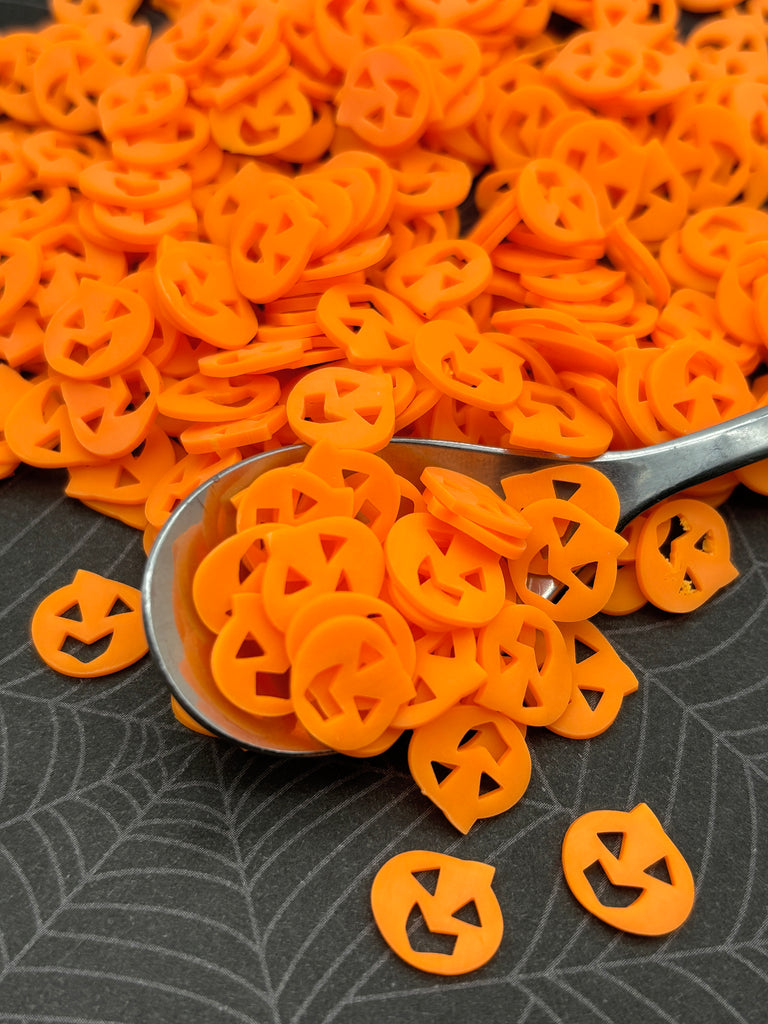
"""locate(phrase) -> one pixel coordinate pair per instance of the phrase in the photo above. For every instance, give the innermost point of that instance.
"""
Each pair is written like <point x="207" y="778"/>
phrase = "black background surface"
<point x="152" y="876"/>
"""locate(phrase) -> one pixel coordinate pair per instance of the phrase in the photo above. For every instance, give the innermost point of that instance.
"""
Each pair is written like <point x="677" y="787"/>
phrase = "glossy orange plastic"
<point x="447" y="575"/>
<point x="347" y="407"/>
<point x="112" y="417"/>
<point x="374" y="486"/>
<point x="600" y="682"/>
<point x="445" y="672"/>
<point x="38" y="429"/>
<point x="197" y="291"/>
<point x="452" y="897"/>
<point x="557" y="203"/>
<point x="470" y="366"/>
<point x="385" y="98"/>
<point x="370" y="325"/>
<point x="336" y="553"/>
<point x="291" y="496"/>
<point x="347" y="682"/>
<point x="583" y="486"/>
<point x="683" y="554"/>
<point x="526" y="662"/>
<point x="647" y="862"/>
<point x="248" y="660"/>
<point x="100" y="331"/>
<point x="439" y="275"/>
<point x="471" y="762"/>
<point x="475" y="509"/>
<point x="69" y="623"/>
<point x="568" y="544"/>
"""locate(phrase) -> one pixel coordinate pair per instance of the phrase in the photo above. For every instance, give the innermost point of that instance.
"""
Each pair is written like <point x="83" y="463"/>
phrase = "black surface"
<point x="152" y="876"/>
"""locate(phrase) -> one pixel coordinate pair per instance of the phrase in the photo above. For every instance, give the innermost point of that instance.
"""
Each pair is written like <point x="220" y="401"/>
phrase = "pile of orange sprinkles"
<point x="533" y="224"/>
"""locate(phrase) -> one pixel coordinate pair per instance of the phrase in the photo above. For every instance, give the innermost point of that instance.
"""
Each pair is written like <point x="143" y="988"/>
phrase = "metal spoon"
<point x="181" y="644"/>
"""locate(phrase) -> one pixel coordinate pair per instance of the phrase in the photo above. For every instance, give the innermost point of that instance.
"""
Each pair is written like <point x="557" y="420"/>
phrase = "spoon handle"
<point x="644" y="476"/>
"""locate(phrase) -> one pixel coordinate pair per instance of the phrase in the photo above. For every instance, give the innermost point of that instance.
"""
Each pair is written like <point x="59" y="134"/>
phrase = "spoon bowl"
<point x="181" y="644"/>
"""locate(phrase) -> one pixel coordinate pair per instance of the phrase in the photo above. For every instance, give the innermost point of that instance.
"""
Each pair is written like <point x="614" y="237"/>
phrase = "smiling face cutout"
<point x="91" y="627"/>
<point x="438" y="913"/>
<point x="609" y="856"/>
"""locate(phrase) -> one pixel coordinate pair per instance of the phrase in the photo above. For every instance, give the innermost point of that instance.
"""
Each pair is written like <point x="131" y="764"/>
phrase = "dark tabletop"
<point x="149" y="875"/>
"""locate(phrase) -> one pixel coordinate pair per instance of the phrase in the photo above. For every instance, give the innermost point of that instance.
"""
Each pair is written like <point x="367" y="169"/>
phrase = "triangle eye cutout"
<point x="331" y="545"/>
<point x="73" y="613"/>
<point x="126" y="479"/>
<point x="565" y="489"/>
<point x="441" y="771"/>
<point x="487" y="785"/>
<point x="428" y="879"/>
<point x="250" y="648"/>
<point x="119" y="607"/>
<point x="660" y="871"/>
<point x="442" y="540"/>
<point x="468" y="914"/>
<point x="612" y="841"/>
<point x="582" y="651"/>
<point x="592" y="697"/>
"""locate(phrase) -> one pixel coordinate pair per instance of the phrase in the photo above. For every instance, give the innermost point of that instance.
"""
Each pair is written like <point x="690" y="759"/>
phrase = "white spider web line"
<point x="176" y="990"/>
<point x="76" y="789"/>
<point x="240" y="867"/>
<point x="297" y="836"/>
<point x="364" y="873"/>
<point x="580" y="998"/>
<point x="749" y="886"/>
<point x="95" y="868"/>
<point x="324" y="861"/>
<point x="661" y="626"/>
<point x="338" y="783"/>
<point x="51" y="570"/>
<point x="161" y="951"/>
<point x="701" y="983"/>
<point x="31" y="524"/>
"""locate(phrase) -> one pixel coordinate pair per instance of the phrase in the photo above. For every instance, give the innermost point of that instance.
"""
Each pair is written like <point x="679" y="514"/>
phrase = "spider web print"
<point x="148" y="874"/>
